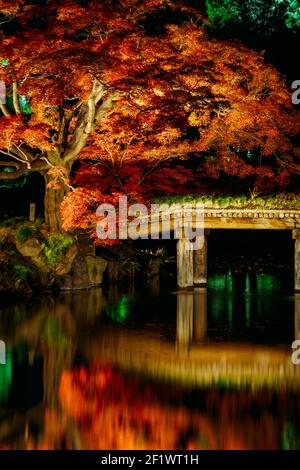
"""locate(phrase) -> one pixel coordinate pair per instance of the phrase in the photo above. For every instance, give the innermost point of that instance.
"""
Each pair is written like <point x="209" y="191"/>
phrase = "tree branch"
<point x="18" y="155"/>
<point x="16" y="98"/>
<point x="85" y="123"/>
<point x="12" y="175"/>
<point x="105" y="106"/>
<point x="88" y="116"/>
<point x="4" y="110"/>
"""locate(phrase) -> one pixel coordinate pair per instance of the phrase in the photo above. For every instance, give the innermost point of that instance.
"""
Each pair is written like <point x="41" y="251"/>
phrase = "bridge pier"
<point x="200" y="262"/>
<point x="191" y="322"/>
<point x="185" y="270"/>
<point x="296" y="237"/>
<point x="192" y="264"/>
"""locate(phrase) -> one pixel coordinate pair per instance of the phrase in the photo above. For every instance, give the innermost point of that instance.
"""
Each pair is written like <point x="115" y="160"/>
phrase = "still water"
<point x="153" y="368"/>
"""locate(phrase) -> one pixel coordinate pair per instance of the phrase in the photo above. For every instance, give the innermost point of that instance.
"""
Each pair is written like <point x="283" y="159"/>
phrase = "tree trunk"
<point x="52" y="202"/>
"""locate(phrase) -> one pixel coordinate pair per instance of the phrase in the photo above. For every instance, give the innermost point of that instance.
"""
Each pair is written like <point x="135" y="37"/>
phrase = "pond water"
<point x="153" y="368"/>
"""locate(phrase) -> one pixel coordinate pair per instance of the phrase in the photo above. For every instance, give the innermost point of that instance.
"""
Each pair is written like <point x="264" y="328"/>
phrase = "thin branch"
<point x="15" y="157"/>
<point x="11" y="155"/>
<point x="16" y="98"/>
<point x="156" y="165"/>
<point x="5" y="110"/>
<point x="18" y="147"/>
<point x="48" y="162"/>
<point x="8" y="20"/>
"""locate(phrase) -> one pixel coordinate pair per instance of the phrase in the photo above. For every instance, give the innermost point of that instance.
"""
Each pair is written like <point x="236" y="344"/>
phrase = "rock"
<point x="66" y="262"/>
<point x="153" y="267"/>
<point x="95" y="269"/>
<point x="87" y="271"/>
<point x="128" y="269"/>
<point x="30" y="249"/>
<point x="113" y="271"/>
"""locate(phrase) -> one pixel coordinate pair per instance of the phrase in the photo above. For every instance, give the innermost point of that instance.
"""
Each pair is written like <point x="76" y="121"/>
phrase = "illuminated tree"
<point x="123" y="99"/>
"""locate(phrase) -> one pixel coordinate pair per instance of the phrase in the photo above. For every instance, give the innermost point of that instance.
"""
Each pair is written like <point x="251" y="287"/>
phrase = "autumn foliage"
<point x="121" y="107"/>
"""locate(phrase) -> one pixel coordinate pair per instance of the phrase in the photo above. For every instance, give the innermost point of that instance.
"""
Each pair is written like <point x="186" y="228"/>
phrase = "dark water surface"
<point x="152" y="368"/>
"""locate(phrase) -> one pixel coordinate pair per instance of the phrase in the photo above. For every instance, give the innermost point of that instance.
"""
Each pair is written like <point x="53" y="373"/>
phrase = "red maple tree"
<point x="134" y="104"/>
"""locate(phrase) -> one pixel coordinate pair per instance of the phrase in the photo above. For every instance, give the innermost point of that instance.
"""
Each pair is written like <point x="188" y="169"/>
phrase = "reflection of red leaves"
<point x="115" y="413"/>
<point x="118" y="413"/>
<point x="83" y="389"/>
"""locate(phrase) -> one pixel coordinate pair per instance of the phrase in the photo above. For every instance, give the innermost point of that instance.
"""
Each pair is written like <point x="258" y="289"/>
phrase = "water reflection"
<point x="143" y="369"/>
<point x="191" y="324"/>
<point x="297" y="316"/>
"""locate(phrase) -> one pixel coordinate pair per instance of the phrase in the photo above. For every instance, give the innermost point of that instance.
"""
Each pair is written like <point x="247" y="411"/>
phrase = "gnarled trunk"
<point x="53" y="199"/>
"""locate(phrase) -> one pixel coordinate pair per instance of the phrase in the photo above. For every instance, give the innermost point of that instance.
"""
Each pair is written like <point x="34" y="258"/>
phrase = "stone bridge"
<point x="192" y="264"/>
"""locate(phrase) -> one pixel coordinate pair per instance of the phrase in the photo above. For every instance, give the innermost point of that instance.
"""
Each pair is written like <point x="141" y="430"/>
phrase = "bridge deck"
<point x="252" y="219"/>
<point x="272" y="219"/>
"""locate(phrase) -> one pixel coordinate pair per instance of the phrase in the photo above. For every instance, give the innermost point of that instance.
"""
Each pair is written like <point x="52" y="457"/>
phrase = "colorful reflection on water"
<point x="152" y="369"/>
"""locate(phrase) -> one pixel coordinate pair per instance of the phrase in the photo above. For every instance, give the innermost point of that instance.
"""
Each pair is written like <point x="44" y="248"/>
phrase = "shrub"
<point x="54" y="246"/>
<point x="23" y="233"/>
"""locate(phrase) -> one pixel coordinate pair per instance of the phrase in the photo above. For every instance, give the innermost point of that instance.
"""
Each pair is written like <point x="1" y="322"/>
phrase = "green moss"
<point x="54" y="246"/>
<point x="14" y="221"/>
<point x="21" y="271"/>
<point x="286" y="201"/>
<point x="23" y="233"/>
<point x="27" y="230"/>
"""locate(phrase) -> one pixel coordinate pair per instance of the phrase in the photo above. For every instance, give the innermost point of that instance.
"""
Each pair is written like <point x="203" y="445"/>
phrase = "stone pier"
<point x="191" y="263"/>
<point x="296" y="237"/>
<point x="200" y="262"/>
<point x="185" y="270"/>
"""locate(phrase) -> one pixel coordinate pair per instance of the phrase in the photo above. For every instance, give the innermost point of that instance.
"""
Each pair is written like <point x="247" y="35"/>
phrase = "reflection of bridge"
<point x="192" y="265"/>
<point x="190" y="359"/>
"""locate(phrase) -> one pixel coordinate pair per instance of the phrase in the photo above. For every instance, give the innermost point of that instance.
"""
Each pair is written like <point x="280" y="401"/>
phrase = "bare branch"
<point x="15" y="157"/>
<point x="21" y="153"/>
<point x="105" y="106"/>
<point x="5" y="110"/>
<point x="16" y="98"/>
<point x="64" y="124"/>
<point x="85" y="123"/>
<point x="88" y="116"/>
